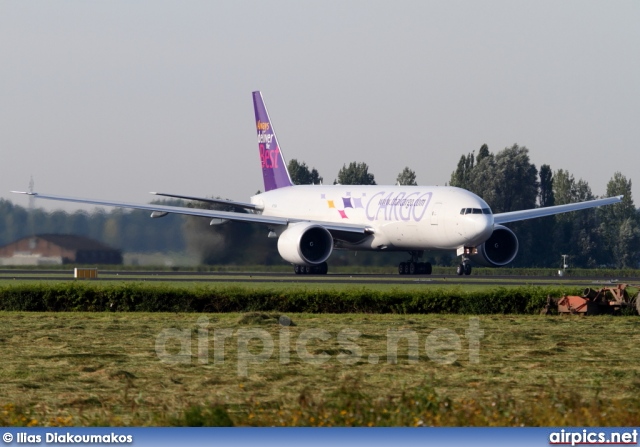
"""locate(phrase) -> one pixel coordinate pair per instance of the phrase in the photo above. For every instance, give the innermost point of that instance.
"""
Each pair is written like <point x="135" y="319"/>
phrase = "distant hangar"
<point x="56" y="249"/>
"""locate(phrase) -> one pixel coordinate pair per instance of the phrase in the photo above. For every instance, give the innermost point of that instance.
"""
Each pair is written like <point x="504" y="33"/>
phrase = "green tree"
<point x="97" y="220"/>
<point x="79" y="223"/>
<point x="563" y="187"/>
<point x="461" y="177"/>
<point x="301" y="175"/>
<point x="507" y="181"/>
<point x="545" y="194"/>
<point x="515" y="187"/>
<point x="483" y="153"/>
<point x="516" y="180"/>
<point x="543" y="253"/>
<point x="619" y="225"/>
<point x="355" y="174"/>
<point x="576" y="234"/>
<point x="620" y="186"/>
<point x="13" y="222"/>
<point x="407" y="177"/>
<point x="625" y="246"/>
<point x="482" y="180"/>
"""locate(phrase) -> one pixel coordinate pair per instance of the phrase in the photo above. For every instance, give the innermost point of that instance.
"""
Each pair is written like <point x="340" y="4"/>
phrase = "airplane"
<point x="310" y="221"/>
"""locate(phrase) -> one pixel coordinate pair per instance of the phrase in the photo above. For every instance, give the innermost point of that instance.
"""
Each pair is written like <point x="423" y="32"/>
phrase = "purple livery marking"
<point x="399" y="206"/>
<point x="274" y="168"/>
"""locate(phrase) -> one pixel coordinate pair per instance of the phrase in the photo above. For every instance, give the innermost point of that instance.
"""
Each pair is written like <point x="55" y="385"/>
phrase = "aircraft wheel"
<point x="460" y="270"/>
<point x="296" y="269"/>
<point x="412" y="268"/>
<point x="428" y="268"/>
<point x="401" y="268"/>
<point x="467" y="269"/>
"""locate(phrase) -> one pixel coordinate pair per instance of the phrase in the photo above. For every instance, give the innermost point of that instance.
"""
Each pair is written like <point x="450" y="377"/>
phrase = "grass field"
<point x="135" y="369"/>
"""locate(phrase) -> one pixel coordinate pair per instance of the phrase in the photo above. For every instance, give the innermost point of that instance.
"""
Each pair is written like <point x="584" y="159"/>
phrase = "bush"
<point x="137" y="297"/>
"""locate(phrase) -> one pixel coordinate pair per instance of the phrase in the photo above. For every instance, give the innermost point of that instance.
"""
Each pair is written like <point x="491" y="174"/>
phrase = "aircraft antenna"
<point x="32" y="205"/>
<point x="31" y="198"/>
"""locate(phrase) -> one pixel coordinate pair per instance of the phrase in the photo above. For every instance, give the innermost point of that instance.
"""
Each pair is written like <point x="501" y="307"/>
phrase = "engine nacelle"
<point x="500" y="249"/>
<point x="305" y="243"/>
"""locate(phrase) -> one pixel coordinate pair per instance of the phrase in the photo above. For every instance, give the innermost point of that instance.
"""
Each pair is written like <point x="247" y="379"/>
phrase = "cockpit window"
<point x="475" y="211"/>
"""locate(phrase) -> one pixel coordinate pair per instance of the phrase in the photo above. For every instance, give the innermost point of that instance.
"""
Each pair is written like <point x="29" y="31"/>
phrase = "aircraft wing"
<point x="514" y="216"/>
<point x="249" y="206"/>
<point x="212" y="214"/>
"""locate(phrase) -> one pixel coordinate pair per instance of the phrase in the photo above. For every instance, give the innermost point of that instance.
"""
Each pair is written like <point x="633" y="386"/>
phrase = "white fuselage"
<point x="401" y="217"/>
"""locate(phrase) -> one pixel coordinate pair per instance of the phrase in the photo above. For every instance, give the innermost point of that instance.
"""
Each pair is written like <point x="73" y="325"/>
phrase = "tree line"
<point x="130" y="231"/>
<point x="506" y="180"/>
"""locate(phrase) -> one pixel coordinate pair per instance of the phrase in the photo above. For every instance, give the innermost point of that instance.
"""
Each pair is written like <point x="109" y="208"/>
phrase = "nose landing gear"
<point x="465" y="267"/>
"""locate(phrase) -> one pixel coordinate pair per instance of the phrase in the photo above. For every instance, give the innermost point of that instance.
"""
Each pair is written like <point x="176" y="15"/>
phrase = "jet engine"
<point x="500" y="249"/>
<point x="305" y="243"/>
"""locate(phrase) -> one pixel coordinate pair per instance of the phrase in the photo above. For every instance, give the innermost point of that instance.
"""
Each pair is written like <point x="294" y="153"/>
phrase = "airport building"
<point x="55" y="249"/>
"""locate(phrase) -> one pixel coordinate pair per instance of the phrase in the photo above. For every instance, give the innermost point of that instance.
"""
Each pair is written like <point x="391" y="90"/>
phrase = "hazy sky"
<point x="114" y="99"/>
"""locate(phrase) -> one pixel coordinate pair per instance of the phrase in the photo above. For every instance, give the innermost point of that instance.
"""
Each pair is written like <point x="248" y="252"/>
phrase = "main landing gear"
<point x="414" y="266"/>
<point x="320" y="269"/>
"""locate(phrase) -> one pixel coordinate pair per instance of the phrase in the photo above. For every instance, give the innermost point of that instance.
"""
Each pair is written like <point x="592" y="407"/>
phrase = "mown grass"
<point x="103" y="368"/>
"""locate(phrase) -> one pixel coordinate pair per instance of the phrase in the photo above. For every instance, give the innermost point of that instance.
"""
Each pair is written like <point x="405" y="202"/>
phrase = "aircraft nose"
<point x="480" y="228"/>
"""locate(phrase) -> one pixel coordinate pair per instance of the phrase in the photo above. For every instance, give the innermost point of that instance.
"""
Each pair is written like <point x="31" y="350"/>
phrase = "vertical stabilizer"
<point x="274" y="168"/>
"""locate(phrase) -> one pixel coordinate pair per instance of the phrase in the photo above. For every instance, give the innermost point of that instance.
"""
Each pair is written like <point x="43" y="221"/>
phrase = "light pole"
<point x="564" y="265"/>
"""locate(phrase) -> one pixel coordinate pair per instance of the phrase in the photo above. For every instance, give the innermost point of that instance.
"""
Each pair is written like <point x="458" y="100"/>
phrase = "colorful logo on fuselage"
<point x="386" y="206"/>
<point x="347" y="202"/>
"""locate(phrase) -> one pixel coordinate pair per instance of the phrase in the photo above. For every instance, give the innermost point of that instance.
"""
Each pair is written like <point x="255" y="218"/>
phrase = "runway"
<point x="290" y="278"/>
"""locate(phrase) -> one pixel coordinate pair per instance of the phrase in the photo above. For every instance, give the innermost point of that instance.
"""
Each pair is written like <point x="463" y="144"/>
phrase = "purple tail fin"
<point x="274" y="168"/>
